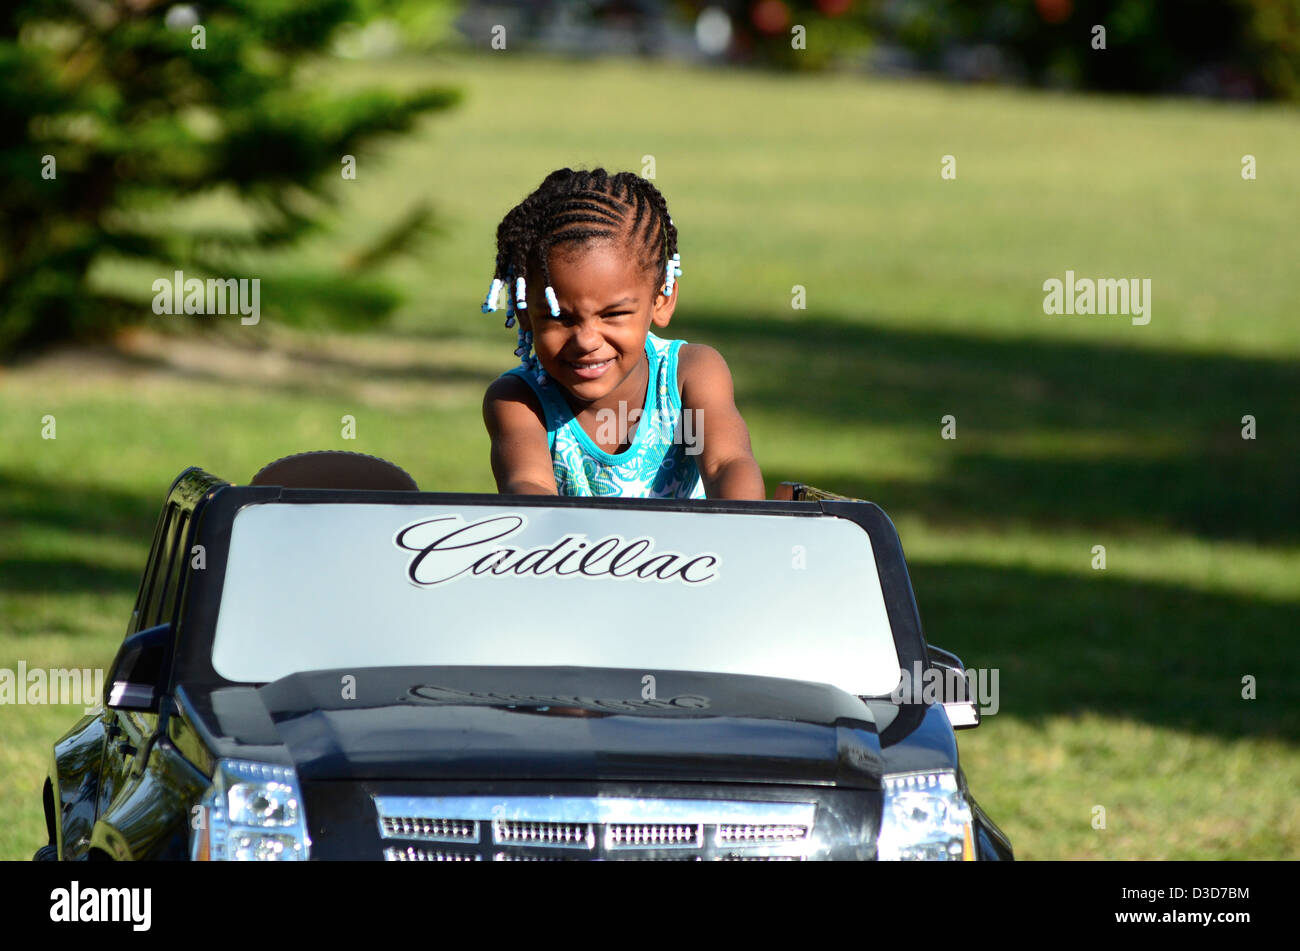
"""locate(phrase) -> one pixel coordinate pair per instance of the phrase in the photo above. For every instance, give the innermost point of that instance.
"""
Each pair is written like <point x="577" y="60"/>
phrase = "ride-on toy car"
<point x="359" y="670"/>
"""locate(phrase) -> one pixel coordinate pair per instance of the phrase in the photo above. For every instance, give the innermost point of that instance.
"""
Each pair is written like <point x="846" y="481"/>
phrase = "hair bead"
<point x="672" y="271"/>
<point x="491" y="303"/>
<point x="521" y="297"/>
<point x="550" y="299"/>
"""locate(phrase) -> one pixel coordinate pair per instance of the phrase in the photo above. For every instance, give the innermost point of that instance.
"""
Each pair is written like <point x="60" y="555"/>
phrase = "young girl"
<point x="605" y="407"/>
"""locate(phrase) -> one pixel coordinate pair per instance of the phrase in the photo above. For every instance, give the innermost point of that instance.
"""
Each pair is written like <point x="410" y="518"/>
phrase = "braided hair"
<point x="578" y="207"/>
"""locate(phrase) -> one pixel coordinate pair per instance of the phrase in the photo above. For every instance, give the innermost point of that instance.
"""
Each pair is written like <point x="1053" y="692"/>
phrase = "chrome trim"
<point x="552" y="828"/>
<point x="962" y="714"/>
<point x="603" y="811"/>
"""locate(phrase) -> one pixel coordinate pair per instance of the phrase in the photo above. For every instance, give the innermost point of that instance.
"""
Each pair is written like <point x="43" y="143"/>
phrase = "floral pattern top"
<point x="660" y="463"/>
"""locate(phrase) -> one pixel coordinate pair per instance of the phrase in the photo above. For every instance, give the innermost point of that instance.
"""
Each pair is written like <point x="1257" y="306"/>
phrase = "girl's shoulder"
<point x="510" y="385"/>
<point x="689" y="354"/>
<point x="512" y="388"/>
<point x="700" y="366"/>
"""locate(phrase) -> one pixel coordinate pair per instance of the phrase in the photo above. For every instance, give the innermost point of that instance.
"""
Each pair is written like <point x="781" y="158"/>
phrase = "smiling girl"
<point x="603" y="406"/>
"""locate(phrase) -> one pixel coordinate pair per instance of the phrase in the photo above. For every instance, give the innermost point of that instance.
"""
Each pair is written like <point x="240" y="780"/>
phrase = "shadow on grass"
<point x="79" y="508"/>
<point x="302" y="371"/>
<point x="1160" y="654"/>
<point x="1056" y="433"/>
<point x="282" y="368"/>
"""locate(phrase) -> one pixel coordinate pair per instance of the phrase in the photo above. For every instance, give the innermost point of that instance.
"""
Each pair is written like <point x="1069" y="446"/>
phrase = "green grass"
<point x="1120" y="688"/>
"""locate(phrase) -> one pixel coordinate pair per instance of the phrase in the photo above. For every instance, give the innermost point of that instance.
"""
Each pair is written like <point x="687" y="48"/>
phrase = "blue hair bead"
<point x="521" y="296"/>
<point x="554" y="304"/>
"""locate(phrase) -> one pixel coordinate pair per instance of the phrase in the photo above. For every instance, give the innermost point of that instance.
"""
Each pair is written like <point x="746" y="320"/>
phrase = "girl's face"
<point x="607" y="305"/>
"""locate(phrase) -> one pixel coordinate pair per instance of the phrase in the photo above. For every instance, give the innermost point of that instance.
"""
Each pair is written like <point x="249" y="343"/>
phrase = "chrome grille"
<point x="626" y="835"/>
<point x="433" y="830"/>
<point x="556" y="828"/>
<point x="521" y="857"/>
<point x="414" y="854"/>
<point x="761" y="858"/>
<point x="563" y="835"/>
<point x="760" y="835"/>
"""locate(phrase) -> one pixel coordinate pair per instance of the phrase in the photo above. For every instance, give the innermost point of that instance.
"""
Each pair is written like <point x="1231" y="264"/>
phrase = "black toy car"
<point x="374" y="672"/>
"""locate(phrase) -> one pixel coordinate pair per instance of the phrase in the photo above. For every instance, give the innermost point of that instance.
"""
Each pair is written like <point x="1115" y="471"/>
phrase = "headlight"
<point x="925" y="819"/>
<point x="251" y="812"/>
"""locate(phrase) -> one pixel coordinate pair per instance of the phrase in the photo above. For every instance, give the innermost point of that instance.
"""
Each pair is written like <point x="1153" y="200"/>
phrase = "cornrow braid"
<point x="577" y="207"/>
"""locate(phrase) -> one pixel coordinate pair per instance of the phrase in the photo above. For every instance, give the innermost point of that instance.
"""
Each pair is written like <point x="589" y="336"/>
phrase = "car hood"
<point x="549" y="723"/>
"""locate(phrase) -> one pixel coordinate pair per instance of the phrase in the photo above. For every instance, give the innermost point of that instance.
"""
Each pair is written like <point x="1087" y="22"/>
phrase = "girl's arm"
<point x="718" y="435"/>
<point x="521" y="460"/>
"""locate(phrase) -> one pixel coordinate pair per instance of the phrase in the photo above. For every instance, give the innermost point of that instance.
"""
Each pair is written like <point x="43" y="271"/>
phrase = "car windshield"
<point x="331" y="585"/>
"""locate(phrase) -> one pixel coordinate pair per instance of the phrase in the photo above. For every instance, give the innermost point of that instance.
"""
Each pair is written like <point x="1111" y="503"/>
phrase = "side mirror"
<point x="957" y="700"/>
<point x="136" y="678"/>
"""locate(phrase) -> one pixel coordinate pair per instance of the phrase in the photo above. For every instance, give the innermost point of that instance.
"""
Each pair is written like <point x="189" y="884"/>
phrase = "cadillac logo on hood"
<point x="447" y="548"/>
<point x="450" y="696"/>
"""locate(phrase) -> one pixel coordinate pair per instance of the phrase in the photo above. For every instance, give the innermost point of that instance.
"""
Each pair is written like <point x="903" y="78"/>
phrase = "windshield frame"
<point x="214" y="523"/>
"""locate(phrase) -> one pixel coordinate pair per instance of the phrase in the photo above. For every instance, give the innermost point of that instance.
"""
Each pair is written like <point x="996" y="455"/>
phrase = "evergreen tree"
<point x="114" y="111"/>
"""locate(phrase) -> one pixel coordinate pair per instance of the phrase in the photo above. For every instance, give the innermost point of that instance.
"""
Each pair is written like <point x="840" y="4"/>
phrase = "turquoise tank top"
<point x="660" y="463"/>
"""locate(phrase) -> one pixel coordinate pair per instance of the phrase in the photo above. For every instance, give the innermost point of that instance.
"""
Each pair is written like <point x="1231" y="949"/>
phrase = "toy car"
<point x="360" y="670"/>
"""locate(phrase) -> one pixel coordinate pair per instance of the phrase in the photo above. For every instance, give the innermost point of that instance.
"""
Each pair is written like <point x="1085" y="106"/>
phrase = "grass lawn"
<point x="1119" y="688"/>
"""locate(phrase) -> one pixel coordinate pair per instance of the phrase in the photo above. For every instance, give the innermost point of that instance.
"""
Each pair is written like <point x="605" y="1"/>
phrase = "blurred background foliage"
<point x="1222" y="48"/>
<point x="114" y="114"/>
<point x="1230" y="48"/>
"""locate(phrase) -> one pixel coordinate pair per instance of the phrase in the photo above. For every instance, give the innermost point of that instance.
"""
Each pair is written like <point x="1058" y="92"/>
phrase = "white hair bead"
<point x="491" y="303"/>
